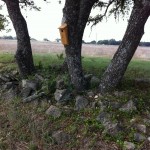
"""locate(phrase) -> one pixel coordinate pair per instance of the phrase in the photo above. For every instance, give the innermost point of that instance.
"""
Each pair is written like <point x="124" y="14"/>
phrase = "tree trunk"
<point x="23" y="55"/>
<point x="64" y="66"/>
<point x="135" y="30"/>
<point x="76" y="13"/>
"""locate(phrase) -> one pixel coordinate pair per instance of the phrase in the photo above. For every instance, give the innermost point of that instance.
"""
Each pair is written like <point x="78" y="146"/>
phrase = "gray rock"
<point x="67" y="110"/>
<point x="81" y="103"/>
<point x="39" y="77"/>
<point x="96" y="97"/>
<point x="141" y="128"/>
<point x="54" y="111"/>
<point x="109" y="104"/>
<point x="100" y="95"/>
<point x="110" y="126"/>
<point x="103" y="105"/>
<point x="26" y="92"/>
<point x="133" y="120"/>
<point x="139" y="137"/>
<point x="129" y="106"/>
<point x="23" y="83"/>
<point x="61" y="137"/>
<point x="33" y="97"/>
<point x="4" y="78"/>
<point x="7" y="76"/>
<point x="94" y="105"/>
<point x="8" y="85"/>
<point x="90" y="94"/>
<point x="114" y="105"/>
<point x="146" y="121"/>
<point x="104" y="117"/>
<point x="88" y="77"/>
<point x="15" y="72"/>
<point x="94" y="81"/>
<point x="62" y="96"/>
<point x="129" y="145"/>
<point x="33" y="84"/>
<point x="11" y="94"/>
<point x="60" y="84"/>
<point x="10" y="77"/>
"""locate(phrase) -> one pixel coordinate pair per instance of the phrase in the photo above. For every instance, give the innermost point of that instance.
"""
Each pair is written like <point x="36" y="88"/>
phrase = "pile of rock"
<point x="34" y="89"/>
<point x="9" y="86"/>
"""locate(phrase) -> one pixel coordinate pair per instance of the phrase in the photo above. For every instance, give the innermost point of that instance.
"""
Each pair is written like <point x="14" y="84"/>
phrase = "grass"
<point x="138" y="68"/>
<point x="95" y="65"/>
<point x="47" y="59"/>
<point x="26" y="126"/>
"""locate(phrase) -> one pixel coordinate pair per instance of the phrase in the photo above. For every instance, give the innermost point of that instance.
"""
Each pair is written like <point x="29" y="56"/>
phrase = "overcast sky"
<point x="44" y="24"/>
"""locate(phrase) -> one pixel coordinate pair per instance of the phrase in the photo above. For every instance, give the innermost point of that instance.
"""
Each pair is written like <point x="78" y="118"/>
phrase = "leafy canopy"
<point x="2" y="20"/>
<point x="110" y="7"/>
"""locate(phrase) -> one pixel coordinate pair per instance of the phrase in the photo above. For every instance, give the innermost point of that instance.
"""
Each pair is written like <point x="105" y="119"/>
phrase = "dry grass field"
<point x="9" y="46"/>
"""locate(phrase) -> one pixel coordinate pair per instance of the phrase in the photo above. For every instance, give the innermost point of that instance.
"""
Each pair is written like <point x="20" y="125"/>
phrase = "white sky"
<point x="44" y="24"/>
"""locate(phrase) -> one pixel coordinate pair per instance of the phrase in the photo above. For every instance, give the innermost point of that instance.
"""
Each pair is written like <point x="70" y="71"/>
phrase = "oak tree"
<point x="23" y="54"/>
<point x="76" y="14"/>
<point x="134" y="32"/>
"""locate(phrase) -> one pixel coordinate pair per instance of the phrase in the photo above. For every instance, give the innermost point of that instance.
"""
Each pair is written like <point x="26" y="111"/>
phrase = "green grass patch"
<point x="138" y="68"/>
<point x="6" y="58"/>
<point x="47" y="60"/>
<point x="94" y="65"/>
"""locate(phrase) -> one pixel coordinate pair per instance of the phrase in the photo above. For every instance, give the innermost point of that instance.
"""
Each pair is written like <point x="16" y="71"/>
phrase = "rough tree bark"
<point x="76" y="13"/>
<point x="135" y="30"/>
<point x="23" y="55"/>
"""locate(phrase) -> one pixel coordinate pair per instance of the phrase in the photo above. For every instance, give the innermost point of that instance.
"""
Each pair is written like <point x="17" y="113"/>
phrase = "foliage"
<point x="2" y="22"/>
<point x="111" y="7"/>
<point x="93" y="42"/>
<point x="114" y="42"/>
<point x="29" y="3"/>
<point x="45" y="39"/>
<point x="8" y="37"/>
<point x="144" y="44"/>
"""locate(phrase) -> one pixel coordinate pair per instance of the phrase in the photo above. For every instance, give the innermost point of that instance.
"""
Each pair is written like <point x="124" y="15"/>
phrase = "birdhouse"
<point x="63" y="29"/>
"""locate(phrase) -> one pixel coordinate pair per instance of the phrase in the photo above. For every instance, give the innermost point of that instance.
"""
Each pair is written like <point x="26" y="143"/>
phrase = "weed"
<point x="60" y="56"/>
<point x="40" y="65"/>
<point x="52" y="85"/>
<point x="33" y="146"/>
<point x="48" y="138"/>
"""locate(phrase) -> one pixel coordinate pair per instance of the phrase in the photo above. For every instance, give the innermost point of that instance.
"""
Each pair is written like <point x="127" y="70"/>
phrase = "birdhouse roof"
<point x="63" y="26"/>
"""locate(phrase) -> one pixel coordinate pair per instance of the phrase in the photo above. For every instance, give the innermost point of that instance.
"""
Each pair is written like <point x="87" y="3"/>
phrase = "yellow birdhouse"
<point x="63" y="29"/>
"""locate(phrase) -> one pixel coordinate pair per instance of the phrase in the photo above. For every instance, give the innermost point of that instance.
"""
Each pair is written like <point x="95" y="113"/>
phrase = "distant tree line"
<point x="113" y="42"/>
<point x="100" y="42"/>
<point x="9" y="37"/>
<point x="144" y="44"/>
